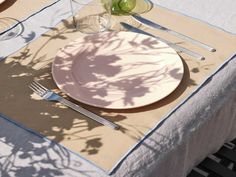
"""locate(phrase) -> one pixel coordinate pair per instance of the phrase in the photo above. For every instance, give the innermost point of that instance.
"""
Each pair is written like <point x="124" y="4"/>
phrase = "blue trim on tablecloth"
<point x="20" y="125"/>
<point x="33" y="14"/>
<point x="117" y="165"/>
<point x="36" y="25"/>
<point x="169" y="114"/>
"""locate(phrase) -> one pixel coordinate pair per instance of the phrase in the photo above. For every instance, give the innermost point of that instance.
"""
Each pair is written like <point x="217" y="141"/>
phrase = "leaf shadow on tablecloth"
<point x="62" y="124"/>
<point x="26" y="155"/>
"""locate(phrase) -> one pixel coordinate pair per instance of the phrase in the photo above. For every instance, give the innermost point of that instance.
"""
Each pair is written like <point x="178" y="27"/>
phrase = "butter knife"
<point x="177" y="34"/>
<point x="174" y="46"/>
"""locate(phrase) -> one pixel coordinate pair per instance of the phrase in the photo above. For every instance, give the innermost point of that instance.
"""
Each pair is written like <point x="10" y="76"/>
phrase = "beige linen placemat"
<point x="100" y="144"/>
<point x="21" y="9"/>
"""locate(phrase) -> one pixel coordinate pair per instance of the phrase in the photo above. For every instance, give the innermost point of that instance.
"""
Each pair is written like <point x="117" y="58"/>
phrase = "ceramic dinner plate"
<point x="117" y="70"/>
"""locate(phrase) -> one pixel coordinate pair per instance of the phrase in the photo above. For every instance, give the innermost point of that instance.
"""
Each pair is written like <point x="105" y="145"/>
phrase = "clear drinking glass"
<point x="9" y="28"/>
<point x="91" y="16"/>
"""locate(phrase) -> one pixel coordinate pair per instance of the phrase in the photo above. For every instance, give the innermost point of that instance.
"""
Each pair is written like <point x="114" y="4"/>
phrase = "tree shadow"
<point x="104" y="70"/>
<point x="22" y="69"/>
<point x="27" y="155"/>
<point x="184" y="84"/>
<point x="60" y="123"/>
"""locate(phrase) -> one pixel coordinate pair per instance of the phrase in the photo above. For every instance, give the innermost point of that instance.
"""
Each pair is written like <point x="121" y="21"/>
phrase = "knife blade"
<point x="174" y="46"/>
<point x="177" y="34"/>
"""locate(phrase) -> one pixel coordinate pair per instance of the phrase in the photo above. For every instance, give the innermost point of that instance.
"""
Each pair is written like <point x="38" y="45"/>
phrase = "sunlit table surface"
<point x="198" y="128"/>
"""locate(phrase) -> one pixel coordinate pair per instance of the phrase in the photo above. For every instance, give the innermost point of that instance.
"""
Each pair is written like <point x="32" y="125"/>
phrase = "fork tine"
<point x="38" y="89"/>
<point x="35" y="90"/>
<point x="41" y="86"/>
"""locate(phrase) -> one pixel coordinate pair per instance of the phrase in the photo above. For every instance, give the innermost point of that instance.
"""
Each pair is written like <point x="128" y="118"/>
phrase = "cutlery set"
<point x="174" y="46"/>
<point x="52" y="96"/>
<point x="167" y="30"/>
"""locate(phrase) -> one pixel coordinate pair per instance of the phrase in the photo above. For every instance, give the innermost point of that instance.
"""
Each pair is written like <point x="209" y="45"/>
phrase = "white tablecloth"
<point x="197" y="128"/>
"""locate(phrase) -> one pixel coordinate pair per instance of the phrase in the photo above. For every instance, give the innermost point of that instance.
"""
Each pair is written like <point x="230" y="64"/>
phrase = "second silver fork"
<point x="48" y="94"/>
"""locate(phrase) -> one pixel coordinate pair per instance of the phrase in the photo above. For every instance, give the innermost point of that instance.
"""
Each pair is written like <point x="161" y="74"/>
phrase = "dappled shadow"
<point x="26" y="155"/>
<point x="116" y="70"/>
<point x="62" y="124"/>
<point x="184" y="84"/>
<point x="29" y="37"/>
<point x="10" y="28"/>
<point x="66" y="126"/>
<point x="53" y="120"/>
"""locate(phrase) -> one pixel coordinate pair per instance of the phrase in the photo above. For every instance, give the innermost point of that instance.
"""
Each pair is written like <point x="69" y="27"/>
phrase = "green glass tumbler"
<point x="122" y="7"/>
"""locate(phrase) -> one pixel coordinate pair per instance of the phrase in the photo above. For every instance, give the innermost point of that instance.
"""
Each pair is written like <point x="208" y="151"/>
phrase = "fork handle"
<point x="88" y="113"/>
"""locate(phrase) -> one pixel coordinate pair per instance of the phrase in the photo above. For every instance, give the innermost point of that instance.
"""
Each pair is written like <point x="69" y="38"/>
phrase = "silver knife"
<point x="177" y="34"/>
<point x="174" y="46"/>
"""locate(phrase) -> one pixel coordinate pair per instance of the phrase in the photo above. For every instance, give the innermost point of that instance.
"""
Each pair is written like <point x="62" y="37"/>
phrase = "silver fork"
<point x="52" y="96"/>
